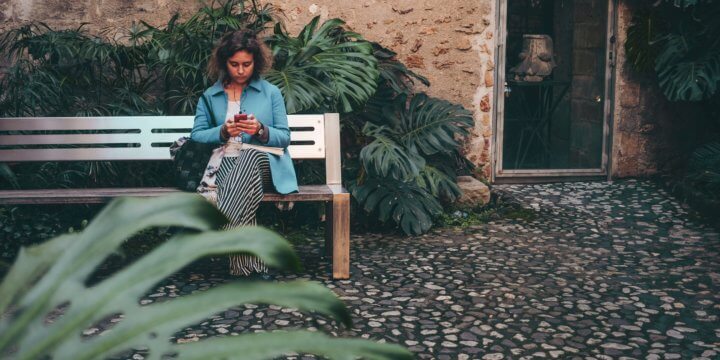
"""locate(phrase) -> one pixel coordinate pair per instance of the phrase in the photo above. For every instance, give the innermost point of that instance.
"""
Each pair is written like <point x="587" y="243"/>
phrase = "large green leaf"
<point x="272" y="345"/>
<point x="438" y="183"/>
<point x="151" y="326"/>
<point x="429" y="124"/>
<point x="680" y="40"/>
<point x="323" y="62"/>
<point x="687" y="79"/>
<point x="125" y="288"/>
<point x="30" y="265"/>
<point x="123" y="217"/>
<point x="395" y="74"/>
<point x="301" y="89"/>
<point x="408" y="205"/>
<point x="386" y="157"/>
<point x="704" y="169"/>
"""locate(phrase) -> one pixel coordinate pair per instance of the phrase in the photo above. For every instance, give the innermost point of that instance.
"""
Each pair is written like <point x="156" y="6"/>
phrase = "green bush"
<point x="404" y="141"/>
<point x="678" y="40"/>
<point x="52" y="277"/>
<point x="678" y="43"/>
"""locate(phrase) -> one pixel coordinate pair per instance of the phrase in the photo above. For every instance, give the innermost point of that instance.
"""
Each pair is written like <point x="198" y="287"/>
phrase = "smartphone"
<point x="240" y="117"/>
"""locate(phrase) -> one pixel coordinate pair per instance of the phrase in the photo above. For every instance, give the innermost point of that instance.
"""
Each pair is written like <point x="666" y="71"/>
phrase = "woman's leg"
<point x="241" y="181"/>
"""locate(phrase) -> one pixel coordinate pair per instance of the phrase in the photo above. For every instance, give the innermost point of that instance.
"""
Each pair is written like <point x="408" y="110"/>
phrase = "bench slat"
<point x="88" y="139"/>
<point x="97" y="123"/>
<point x="102" y="195"/>
<point x="81" y="154"/>
<point x="167" y="129"/>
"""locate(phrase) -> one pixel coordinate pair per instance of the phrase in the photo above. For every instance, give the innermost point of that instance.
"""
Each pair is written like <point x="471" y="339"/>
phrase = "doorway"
<point x="555" y="60"/>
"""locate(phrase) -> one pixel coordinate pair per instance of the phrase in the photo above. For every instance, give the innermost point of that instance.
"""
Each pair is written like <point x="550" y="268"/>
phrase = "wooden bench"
<point x="133" y="138"/>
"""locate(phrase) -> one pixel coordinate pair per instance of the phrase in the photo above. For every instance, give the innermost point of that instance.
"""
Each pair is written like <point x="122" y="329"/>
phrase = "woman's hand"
<point x="232" y="128"/>
<point x="249" y="126"/>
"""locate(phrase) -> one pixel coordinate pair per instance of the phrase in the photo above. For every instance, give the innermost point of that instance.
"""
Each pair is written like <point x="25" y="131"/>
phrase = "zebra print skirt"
<point x="241" y="182"/>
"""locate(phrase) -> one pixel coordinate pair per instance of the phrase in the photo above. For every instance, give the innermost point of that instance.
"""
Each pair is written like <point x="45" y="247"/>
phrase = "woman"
<point x="236" y="178"/>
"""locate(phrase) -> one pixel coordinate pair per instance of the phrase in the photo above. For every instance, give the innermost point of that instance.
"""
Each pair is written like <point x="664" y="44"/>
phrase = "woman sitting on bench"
<point x="254" y="112"/>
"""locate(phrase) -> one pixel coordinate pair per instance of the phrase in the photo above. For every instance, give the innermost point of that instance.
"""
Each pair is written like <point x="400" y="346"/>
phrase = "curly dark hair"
<point x="229" y="44"/>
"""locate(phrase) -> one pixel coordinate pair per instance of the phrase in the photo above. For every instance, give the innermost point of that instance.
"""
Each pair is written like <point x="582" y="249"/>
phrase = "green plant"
<point x="53" y="276"/>
<point x="405" y="168"/>
<point x="680" y="41"/>
<point x="325" y="68"/>
<point x="704" y="170"/>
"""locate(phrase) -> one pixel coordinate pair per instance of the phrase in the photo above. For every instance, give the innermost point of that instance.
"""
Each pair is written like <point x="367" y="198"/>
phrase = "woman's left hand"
<point x="249" y="126"/>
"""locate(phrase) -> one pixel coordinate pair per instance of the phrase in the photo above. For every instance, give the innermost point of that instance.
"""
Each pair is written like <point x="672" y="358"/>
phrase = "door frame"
<point x="544" y="175"/>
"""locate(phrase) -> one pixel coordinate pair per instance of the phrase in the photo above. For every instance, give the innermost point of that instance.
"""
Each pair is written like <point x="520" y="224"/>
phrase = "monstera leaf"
<point x="395" y="74"/>
<point x="55" y="274"/>
<point x="677" y="39"/>
<point x="301" y="89"/>
<point x="429" y="124"/>
<point x="323" y="64"/>
<point x="439" y="183"/>
<point x="704" y="169"/>
<point x="408" y="205"/>
<point x="690" y="81"/>
<point x="385" y="156"/>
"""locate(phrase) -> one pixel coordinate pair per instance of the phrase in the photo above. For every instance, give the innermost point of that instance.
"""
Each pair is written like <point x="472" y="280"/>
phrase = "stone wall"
<point x="98" y="14"/>
<point x="645" y="126"/>
<point x="450" y="43"/>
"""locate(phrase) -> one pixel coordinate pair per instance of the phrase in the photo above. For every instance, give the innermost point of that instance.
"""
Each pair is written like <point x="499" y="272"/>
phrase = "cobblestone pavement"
<point x="604" y="271"/>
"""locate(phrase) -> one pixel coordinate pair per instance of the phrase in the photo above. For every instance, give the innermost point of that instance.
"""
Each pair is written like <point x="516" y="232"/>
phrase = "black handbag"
<point x="190" y="158"/>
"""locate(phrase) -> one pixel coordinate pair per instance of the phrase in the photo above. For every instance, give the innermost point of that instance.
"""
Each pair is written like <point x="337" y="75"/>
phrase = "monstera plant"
<point x="678" y="40"/>
<point x="53" y="277"/>
<point x="323" y="69"/>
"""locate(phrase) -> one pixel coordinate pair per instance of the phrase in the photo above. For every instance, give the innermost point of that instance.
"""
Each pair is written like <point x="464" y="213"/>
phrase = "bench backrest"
<point x="314" y="136"/>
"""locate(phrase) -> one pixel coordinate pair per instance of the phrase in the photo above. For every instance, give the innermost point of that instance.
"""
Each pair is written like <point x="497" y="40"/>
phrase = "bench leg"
<point x="337" y="235"/>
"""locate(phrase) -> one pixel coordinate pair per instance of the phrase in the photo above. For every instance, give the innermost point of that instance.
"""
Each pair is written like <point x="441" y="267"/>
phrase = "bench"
<point x="133" y="138"/>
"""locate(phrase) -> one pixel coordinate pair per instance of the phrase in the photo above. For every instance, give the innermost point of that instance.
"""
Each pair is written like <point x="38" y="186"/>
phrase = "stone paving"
<point x="604" y="271"/>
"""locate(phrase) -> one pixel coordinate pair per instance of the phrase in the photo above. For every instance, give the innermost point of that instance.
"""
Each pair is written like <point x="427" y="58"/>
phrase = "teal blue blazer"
<point x="265" y="101"/>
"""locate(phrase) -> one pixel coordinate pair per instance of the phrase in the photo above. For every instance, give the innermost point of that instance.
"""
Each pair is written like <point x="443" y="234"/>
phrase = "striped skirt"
<point x="241" y="182"/>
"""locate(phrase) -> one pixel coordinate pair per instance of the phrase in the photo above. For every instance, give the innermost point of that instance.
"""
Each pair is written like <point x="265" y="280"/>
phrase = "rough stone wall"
<point x="645" y="129"/>
<point x="449" y="42"/>
<point x="98" y="14"/>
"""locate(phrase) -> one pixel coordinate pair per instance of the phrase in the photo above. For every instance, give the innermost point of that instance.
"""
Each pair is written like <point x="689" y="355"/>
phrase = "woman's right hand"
<point x="231" y="128"/>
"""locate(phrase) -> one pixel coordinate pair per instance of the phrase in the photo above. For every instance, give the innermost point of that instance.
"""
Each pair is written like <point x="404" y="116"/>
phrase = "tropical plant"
<point x="53" y="277"/>
<point x="680" y="41"/>
<point x="325" y="68"/>
<point x="402" y="149"/>
<point x="704" y="170"/>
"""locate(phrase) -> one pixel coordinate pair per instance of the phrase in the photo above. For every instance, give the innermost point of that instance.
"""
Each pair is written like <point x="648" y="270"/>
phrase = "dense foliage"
<point x="678" y="42"/>
<point x="52" y="278"/>
<point x="396" y="144"/>
<point x="681" y="44"/>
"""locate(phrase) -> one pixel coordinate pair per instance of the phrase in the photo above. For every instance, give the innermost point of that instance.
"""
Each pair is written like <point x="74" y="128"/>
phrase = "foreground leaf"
<point x="151" y="326"/>
<point x="272" y="345"/>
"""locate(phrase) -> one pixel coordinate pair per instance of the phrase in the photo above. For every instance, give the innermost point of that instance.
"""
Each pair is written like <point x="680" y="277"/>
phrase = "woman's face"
<point x="240" y="67"/>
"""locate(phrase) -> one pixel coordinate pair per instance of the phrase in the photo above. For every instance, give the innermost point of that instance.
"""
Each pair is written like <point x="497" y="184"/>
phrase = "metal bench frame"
<point x="132" y="138"/>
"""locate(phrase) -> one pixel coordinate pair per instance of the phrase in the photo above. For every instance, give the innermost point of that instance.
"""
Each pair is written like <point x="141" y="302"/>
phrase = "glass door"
<point x="555" y="60"/>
